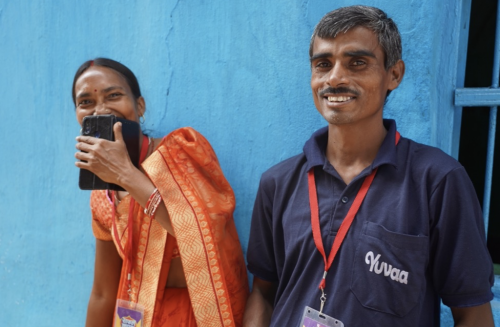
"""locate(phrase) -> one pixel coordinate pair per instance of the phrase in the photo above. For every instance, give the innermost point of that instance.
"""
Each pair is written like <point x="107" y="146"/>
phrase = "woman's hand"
<point x="111" y="163"/>
<point x="107" y="159"/>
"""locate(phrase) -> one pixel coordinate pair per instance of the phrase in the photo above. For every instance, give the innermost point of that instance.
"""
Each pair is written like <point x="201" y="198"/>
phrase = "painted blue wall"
<point x="237" y="71"/>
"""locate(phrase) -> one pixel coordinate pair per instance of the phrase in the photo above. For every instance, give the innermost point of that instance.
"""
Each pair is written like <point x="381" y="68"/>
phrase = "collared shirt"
<point x="417" y="238"/>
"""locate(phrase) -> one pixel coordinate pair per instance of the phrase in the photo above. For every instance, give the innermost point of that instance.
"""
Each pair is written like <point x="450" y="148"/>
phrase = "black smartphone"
<point x="102" y="127"/>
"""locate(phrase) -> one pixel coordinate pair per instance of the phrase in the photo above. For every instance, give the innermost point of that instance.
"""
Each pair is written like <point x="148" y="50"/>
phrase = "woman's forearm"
<point x="140" y="188"/>
<point x="100" y="311"/>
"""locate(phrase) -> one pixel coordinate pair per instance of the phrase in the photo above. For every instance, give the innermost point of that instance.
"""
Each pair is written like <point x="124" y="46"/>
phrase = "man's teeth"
<point x="339" y="99"/>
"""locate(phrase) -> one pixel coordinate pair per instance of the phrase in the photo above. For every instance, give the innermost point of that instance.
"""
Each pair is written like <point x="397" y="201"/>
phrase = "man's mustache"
<point x="338" y="90"/>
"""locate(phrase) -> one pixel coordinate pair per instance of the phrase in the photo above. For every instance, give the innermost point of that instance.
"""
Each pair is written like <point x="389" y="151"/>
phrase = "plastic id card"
<point x="128" y="314"/>
<point x="312" y="318"/>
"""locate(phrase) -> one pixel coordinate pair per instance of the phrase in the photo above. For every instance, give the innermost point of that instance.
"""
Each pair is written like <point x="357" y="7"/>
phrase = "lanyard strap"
<point x="127" y="252"/>
<point x="346" y="223"/>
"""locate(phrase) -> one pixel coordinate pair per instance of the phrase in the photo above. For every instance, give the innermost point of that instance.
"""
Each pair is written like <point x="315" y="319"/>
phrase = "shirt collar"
<point x="315" y="147"/>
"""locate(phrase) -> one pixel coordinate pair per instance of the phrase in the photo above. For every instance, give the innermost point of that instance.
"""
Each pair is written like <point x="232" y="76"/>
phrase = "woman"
<point x="182" y="260"/>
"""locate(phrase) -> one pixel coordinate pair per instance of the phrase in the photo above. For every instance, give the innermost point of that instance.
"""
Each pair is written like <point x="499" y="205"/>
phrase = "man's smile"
<point x="339" y="98"/>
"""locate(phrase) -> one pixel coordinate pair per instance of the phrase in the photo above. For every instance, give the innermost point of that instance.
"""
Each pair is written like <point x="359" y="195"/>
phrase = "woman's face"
<point x="103" y="91"/>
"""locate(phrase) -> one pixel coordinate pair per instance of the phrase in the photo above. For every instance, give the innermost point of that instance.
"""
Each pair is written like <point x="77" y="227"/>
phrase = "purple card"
<point x="313" y="318"/>
<point x="128" y="314"/>
<point x="309" y="322"/>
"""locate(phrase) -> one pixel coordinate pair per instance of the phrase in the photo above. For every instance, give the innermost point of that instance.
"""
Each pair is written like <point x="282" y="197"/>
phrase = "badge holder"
<point x="314" y="318"/>
<point x="128" y="314"/>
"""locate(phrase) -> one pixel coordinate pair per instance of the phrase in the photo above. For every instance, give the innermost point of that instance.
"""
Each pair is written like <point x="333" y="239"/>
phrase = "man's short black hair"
<point x="343" y="19"/>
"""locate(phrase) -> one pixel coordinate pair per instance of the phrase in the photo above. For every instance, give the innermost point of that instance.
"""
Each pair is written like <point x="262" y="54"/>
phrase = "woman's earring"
<point x="142" y="119"/>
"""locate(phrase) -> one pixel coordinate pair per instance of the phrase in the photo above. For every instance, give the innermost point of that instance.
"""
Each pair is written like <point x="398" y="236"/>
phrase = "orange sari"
<point x="200" y="203"/>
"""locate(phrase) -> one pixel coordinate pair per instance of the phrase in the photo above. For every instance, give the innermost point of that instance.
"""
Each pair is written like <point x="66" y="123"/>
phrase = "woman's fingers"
<point x="87" y="139"/>
<point x="117" y="129"/>
<point x="107" y="159"/>
<point x="83" y="146"/>
<point x="89" y="148"/>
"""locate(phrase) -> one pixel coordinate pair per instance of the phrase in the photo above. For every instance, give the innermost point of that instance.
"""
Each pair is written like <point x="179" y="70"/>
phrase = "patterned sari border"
<point x="189" y="237"/>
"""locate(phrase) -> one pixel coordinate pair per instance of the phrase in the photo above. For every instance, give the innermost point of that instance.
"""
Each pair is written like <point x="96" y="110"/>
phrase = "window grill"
<point x="470" y="97"/>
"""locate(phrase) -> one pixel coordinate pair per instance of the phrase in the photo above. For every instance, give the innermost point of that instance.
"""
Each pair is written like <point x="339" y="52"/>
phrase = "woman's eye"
<point x="84" y="102"/>
<point x="115" y="95"/>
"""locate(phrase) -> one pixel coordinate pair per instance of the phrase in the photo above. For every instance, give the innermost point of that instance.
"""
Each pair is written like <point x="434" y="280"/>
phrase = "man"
<point x="416" y="235"/>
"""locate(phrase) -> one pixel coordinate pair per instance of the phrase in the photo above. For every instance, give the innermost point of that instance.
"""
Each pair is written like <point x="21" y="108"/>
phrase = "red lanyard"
<point x="130" y="220"/>
<point x="346" y="223"/>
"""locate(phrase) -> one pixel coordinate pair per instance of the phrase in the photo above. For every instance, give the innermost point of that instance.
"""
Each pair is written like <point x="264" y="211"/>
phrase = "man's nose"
<point x="338" y="75"/>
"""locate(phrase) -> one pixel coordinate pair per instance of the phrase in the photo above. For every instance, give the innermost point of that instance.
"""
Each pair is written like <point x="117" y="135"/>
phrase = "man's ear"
<point x="397" y="72"/>
<point x="141" y="106"/>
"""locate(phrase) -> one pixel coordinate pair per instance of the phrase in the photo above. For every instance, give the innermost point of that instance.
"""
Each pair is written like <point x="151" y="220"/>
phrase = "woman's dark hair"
<point x="116" y="66"/>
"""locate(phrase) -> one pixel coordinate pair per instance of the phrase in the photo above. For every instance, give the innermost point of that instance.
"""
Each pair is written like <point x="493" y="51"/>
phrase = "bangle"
<point x="152" y="204"/>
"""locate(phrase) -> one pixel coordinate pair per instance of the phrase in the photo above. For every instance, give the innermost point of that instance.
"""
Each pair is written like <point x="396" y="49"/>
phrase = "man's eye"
<point x="322" y="64"/>
<point x="115" y="95"/>
<point x="358" y="62"/>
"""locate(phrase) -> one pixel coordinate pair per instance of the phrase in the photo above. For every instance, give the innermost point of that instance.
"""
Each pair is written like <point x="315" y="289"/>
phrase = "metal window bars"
<point x="488" y="97"/>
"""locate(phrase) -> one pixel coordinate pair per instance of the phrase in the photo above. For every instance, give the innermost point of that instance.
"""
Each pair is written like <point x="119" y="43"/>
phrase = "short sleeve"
<point x="261" y="252"/>
<point x="101" y="215"/>
<point x="461" y="265"/>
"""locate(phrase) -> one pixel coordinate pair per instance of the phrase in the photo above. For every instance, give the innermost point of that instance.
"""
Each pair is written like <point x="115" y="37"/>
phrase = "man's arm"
<point x="473" y="316"/>
<point x="259" y="307"/>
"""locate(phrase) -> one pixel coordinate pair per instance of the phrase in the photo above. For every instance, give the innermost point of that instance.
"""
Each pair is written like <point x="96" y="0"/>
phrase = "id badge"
<point x="312" y="318"/>
<point x="128" y="314"/>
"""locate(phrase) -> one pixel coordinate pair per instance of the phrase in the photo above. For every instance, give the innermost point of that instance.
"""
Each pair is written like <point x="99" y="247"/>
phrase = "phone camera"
<point x="97" y="134"/>
<point x="86" y="130"/>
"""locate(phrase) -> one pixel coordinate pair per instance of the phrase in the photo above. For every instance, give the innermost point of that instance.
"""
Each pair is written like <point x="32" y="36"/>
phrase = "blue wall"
<point x="237" y="71"/>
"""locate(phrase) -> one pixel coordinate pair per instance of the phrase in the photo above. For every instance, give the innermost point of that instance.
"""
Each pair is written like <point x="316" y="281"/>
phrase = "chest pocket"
<point x="389" y="270"/>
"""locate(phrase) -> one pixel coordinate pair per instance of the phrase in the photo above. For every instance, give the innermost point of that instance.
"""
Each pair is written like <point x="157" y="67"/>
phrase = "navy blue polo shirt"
<point x="417" y="238"/>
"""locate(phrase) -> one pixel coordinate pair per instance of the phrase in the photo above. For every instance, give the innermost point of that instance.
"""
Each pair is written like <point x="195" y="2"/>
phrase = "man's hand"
<point x="259" y="307"/>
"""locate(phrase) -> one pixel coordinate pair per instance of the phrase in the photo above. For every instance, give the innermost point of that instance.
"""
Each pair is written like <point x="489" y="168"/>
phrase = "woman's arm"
<point x="259" y="307"/>
<point x="108" y="265"/>
<point x="110" y="161"/>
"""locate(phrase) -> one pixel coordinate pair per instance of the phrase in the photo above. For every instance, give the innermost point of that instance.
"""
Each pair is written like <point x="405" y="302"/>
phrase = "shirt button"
<point x="345" y="199"/>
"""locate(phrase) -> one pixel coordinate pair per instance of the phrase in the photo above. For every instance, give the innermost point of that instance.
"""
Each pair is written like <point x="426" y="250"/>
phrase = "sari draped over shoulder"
<point x="200" y="203"/>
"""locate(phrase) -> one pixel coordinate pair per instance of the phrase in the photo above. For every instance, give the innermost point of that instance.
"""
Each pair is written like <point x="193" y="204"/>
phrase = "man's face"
<point x="349" y="81"/>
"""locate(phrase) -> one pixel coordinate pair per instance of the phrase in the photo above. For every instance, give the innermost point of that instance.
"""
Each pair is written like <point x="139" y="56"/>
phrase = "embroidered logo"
<point x="377" y="267"/>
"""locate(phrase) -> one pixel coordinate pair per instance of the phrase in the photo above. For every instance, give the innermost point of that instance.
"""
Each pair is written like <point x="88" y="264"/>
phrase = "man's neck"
<point x="352" y="148"/>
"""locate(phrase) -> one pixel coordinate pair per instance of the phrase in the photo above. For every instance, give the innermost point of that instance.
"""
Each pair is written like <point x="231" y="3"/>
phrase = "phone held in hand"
<point x="102" y="127"/>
